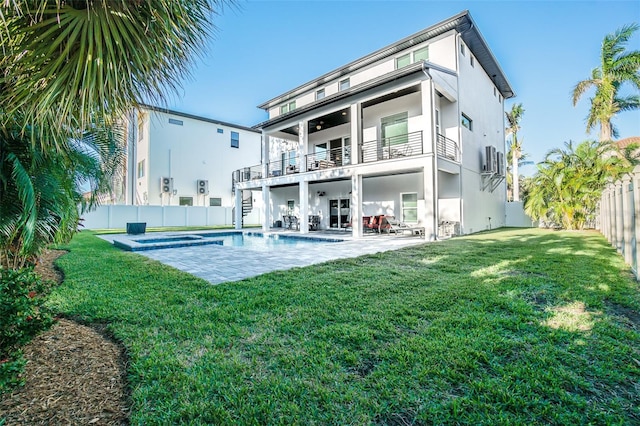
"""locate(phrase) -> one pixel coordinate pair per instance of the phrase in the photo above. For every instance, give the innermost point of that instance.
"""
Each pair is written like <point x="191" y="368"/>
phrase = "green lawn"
<point x="505" y="327"/>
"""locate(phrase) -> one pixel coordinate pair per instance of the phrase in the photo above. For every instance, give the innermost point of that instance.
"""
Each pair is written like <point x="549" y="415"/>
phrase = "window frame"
<point x="236" y="139"/>
<point x="464" y="117"/>
<point x="185" y="201"/>
<point x="411" y="57"/>
<point x="341" y="84"/>
<point x="320" y="91"/>
<point x="141" y="168"/>
<point x="211" y="201"/>
<point x="176" y="122"/>
<point x="404" y="208"/>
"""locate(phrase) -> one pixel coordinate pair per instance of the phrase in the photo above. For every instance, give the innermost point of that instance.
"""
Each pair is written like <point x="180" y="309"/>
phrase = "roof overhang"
<point x="387" y="78"/>
<point x="462" y="23"/>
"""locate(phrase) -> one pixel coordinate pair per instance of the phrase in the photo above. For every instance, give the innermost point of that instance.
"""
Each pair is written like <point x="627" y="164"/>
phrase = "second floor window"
<point x="345" y="84"/>
<point x="319" y="94"/>
<point x="235" y="140"/>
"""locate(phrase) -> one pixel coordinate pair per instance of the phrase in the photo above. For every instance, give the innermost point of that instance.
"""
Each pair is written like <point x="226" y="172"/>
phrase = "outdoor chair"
<point x="392" y="225"/>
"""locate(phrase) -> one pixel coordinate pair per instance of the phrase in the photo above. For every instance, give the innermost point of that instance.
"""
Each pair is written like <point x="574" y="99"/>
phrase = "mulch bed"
<point x="75" y="374"/>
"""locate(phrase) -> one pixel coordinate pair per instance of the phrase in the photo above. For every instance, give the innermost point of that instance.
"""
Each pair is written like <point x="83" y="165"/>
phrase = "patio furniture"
<point x="314" y="222"/>
<point x="290" y="222"/>
<point x="321" y="164"/>
<point x="391" y="225"/>
<point x="373" y="224"/>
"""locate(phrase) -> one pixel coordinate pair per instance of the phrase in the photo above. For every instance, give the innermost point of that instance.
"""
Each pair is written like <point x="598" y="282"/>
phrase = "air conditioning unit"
<point x="166" y="185"/>
<point x="490" y="160"/>
<point x="500" y="164"/>
<point x="202" y="186"/>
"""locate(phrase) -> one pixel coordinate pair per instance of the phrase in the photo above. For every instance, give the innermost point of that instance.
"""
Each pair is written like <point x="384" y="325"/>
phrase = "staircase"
<point x="247" y="205"/>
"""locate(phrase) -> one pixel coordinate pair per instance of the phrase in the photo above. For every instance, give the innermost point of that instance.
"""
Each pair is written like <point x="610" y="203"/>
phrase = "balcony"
<point x="396" y="147"/>
<point x="399" y="146"/>
<point x="336" y="157"/>
<point x="447" y="148"/>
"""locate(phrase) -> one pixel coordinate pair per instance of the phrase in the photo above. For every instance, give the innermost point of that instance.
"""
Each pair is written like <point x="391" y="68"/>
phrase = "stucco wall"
<point x="192" y="151"/>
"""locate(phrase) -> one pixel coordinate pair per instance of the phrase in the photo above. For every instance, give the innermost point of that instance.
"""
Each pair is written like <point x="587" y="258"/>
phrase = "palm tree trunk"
<point x="605" y="131"/>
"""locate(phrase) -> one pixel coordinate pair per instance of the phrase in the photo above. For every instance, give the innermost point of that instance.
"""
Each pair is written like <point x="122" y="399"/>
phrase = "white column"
<point x="303" y="145"/>
<point x="627" y="213"/>
<point x="266" y="206"/>
<point x="265" y="154"/>
<point x="428" y="128"/>
<point x="304" y="207"/>
<point x="356" y="132"/>
<point x="356" y="205"/>
<point x="238" y="209"/>
<point x="636" y="205"/>
<point x="429" y="217"/>
<point x="619" y="218"/>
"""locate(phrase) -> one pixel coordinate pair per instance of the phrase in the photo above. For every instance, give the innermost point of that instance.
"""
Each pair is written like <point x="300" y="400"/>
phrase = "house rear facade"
<point x="414" y="130"/>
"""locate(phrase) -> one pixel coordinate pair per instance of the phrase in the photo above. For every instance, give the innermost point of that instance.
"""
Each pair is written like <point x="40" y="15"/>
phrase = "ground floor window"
<point x="291" y="206"/>
<point x="410" y="207"/>
<point x="186" y="201"/>
<point x="215" y="202"/>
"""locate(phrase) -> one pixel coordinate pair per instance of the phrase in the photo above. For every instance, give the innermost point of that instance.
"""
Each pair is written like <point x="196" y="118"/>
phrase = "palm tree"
<point x="617" y="67"/>
<point x="515" y="148"/>
<point x="567" y="187"/>
<point x="69" y="70"/>
<point x="42" y="195"/>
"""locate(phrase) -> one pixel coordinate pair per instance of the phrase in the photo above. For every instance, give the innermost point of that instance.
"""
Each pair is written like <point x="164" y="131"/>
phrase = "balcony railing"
<point x="447" y="148"/>
<point x="336" y="157"/>
<point x="399" y="146"/>
<point x="248" y="173"/>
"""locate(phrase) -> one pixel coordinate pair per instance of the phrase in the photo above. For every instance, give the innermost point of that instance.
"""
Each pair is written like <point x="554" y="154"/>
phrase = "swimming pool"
<point x="250" y="240"/>
<point x="261" y="242"/>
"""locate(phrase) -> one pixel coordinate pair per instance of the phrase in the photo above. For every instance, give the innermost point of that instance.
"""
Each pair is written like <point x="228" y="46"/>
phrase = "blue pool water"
<point x="258" y="241"/>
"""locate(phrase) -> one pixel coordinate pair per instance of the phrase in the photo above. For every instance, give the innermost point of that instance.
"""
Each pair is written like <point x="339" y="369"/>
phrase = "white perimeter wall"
<point x="117" y="216"/>
<point x="516" y="216"/>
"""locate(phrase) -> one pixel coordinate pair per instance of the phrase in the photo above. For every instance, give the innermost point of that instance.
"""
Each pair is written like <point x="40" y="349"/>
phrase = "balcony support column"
<point x="430" y="208"/>
<point x="428" y="111"/>
<point x="303" y="145"/>
<point x="356" y="132"/>
<point x="238" y="209"/>
<point x="265" y="154"/>
<point x="356" y="205"/>
<point x="266" y="207"/>
<point x="304" y="207"/>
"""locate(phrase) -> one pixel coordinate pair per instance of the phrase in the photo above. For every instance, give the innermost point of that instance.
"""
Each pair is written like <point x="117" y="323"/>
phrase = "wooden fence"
<point x="619" y="217"/>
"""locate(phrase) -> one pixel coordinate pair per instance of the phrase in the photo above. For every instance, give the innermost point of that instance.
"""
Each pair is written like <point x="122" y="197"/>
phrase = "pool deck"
<point x="218" y="264"/>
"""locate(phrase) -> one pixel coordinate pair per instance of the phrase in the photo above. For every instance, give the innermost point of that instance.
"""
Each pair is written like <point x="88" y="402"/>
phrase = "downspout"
<point x="460" y="144"/>
<point x="435" y="205"/>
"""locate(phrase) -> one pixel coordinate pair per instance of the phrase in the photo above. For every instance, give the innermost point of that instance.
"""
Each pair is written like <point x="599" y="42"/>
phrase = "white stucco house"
<point x="178" y="159"/>
<point x="414" y="130"/>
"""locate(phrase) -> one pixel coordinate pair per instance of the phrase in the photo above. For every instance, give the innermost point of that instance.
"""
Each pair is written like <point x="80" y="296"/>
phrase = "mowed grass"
<point x="506" y="327"/>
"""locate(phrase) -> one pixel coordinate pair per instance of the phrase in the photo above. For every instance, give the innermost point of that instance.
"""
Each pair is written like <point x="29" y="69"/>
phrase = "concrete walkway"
<point x="218" y="264"/>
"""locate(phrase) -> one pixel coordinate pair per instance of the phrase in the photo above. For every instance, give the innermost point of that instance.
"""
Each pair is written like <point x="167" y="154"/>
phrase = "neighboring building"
<point x="181" y="159"/>
<point x="414" y="130"/>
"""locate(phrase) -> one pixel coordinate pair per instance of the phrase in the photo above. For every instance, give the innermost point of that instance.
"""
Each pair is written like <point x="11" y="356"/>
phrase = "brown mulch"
<point x="75" y="374"/>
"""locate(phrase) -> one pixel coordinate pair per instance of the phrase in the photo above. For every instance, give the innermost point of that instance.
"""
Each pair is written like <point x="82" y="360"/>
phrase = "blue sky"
<point x="264" y="48"/>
